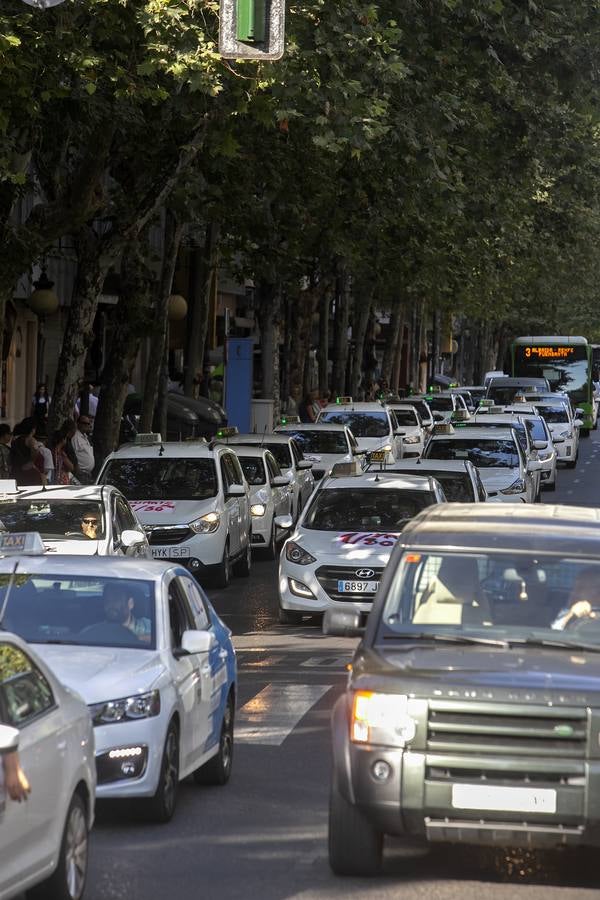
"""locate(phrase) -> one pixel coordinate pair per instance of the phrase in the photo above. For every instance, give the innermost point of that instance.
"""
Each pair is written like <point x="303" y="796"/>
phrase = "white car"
<point x="292" y="463"/>
<point x="410" y="428"/>
<point x="154" y="663"/>
<point x="343" y="541"/>
<point x="496" y="452"/>
<point x="530" y="447"/>
<point x="92" y="520"/>
<point x="193" y="501"/>
<point x="564" y="429"/>
<point x="323" y="444"/>
<point x="44" y="840"/>
<point x="548" y="457"/>
<point x="270" y="497"/>
<point x="372" y="425"/>
<point x="460" y="479"/>
<point x="422" y="407"/>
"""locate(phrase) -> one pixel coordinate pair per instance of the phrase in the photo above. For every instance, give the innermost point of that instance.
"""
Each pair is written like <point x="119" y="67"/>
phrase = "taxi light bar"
<point x="8" y="486"/>
<point x="343" y="401"/>
<point x="460" y="415"/>
<point x="290" y="420"/>
<point x="149" y="437"/>
<point x="227" y="432"/>
<point x="346" y="469"/>
<point x="26" y="543"/>
<point x="443" y="428"/>
<point x="486" y="402"/>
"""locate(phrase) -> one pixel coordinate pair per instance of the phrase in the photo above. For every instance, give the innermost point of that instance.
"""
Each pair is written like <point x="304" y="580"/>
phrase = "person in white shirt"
<point x="84" y="450"/>
<point x="88" y="399"/>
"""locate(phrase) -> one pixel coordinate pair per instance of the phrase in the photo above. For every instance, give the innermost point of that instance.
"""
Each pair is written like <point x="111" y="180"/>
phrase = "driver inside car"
<point x="90" y="525"/>
<point x="584" y="601"/>
<point x="119" y="610"/>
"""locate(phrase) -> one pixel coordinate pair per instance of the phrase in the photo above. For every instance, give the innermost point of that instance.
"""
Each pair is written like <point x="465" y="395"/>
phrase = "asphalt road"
<point x="265" y="834"/>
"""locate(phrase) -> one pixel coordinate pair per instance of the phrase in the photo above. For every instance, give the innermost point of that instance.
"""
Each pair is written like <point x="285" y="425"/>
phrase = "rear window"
<point x="361" y="424"/>
<point x="366" y="509"/>
<point x="163" y="479"/>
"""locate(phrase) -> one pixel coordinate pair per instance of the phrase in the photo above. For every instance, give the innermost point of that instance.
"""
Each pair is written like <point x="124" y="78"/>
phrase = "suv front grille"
<point x="539" y="732"/>
<point x="328" y="577"/>
<point x="168" y="534"/>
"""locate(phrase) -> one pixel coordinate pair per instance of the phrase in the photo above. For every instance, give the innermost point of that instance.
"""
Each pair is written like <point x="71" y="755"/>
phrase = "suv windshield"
<point x="91" y="611"/>
<point x="504" y="596"/>
<point x="361" y="424"/>
<point x="55" y="520"/>
<point x="365" y="509"/>
<point x="162" y="479"/>
<point x="321" y="441"/>
<point x="253" y="469"/>
<point x="486" y="453"/>
<point x="553" y="414"/>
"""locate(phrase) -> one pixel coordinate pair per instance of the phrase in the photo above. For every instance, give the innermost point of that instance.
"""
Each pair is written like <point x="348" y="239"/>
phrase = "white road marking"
<point x="326" y="662"/>
<point x="273" y="713"/>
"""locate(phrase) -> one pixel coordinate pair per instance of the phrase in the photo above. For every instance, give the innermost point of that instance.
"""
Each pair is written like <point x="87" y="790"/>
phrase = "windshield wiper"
<point x="56" y="641"/>
<point x="555" y="642"/>
<point x="448" y="638"/>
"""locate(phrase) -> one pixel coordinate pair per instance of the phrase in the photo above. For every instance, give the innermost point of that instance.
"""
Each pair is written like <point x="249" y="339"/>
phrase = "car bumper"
<point x="261" y="530"/>
<point x="117" y="749"/>
<point x="566" y="452"/>
<point x="291" y="576"/>
<point x="195" y="553"/>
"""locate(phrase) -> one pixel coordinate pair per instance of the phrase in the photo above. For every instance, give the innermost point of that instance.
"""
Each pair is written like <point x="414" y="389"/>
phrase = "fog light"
<point x="381" y="770"/>
<point x="128" y="769"/>
<point x="300" y="590"/>
<point x="194" y="563"/>
<point x="124" y="752"/>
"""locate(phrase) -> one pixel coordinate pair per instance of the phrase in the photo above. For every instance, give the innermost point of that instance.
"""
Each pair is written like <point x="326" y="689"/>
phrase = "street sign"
<point x="252" y="29"/>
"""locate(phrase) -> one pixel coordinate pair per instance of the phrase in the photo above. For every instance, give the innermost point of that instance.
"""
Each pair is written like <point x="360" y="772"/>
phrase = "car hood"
<point x="102" y="673"/>
<point x="373" y="443"/>
<point x="326" y="460"/>
<point x="171" y="512"/>
<point x="76" y="547"/>
<point x="495" y="479"/>
<point x="348" y="546"/>
<point x="519" y="672"/>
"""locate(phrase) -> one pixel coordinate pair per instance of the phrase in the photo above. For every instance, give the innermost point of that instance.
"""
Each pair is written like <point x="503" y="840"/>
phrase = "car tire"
<point x="572" y="463"/>
<point x="162" y="805"/>
<point x="67" y="882"/>
<point x="243" y="566"/>
<point x="271" y="549"/>
<point x="355" y="847"/>
<point x="551" y="486"/>
<point x="217" y="770"/>
<point x="222" y="575"/>
<point x="289" y="617"/>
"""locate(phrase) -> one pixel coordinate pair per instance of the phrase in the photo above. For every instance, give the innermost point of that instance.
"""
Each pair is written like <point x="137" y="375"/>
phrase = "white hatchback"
<point x="270" y="497"/>
<point x="324" y="444"/>
<point x="44" y="841"/>
<point x="409" y="427"/>
<point x="372" y="425"/>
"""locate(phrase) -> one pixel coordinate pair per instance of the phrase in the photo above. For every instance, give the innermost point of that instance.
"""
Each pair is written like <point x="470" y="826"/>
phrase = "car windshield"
<point x="422" y="408"/>
<point x="321" y="441"/>
<point x="506" y="596"/>
<point x="517" y="427"/>
<point x="441" y="404"/>
<point x="553" y="414"/>
<point x="457" y="486"/>
<point x="162" y="479"/>
<point x="253" y="469"/>
<point x="365" y="509"/>
<point x="90" y="611"/>
<point x="55" y="520"/>
<point x="405" y="416"/>
<point x="536" y="429"/>
<point x="486" y="453"/>
<point x="361" y="424"/>
<point x="281" y="452"/>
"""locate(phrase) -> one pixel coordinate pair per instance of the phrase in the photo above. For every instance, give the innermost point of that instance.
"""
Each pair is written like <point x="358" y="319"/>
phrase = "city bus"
<point x="565" y="361"/>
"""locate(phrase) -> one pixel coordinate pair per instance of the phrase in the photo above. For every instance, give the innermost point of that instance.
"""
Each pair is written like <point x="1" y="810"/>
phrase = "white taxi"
<point x="270" y="497"/>
<point x="343" y="541"/>
<point x="91" y="520"/>
<point x="372" y="425"/>
<point x="410" y="427"/>
<point x="44" y="840"/>
<point x="192" y="499"/>
<point x="564" y="428"/>
<point x="323" y="444"/>
<point x="460" y="479"/>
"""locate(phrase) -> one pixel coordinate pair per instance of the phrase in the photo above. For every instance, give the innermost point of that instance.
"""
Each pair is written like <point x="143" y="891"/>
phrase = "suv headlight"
<point x="297" y="554"/>
<point x="517" y="487"/>
<point x="411" y="439"/>
<point x="258" y="509"/>
<point x="381" y="719"/>
<point x="140" y="706"/>
<point x="206" y="524"/>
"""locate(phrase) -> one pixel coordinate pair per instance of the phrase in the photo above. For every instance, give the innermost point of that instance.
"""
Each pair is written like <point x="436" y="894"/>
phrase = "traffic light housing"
<point x="252" y="29"/>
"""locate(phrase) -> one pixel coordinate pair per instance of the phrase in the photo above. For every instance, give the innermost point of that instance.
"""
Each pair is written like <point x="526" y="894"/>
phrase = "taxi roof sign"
<point x="460" y="415"/>
<point x="148" y="437"/>
<point x="227" y="432"/>
<point x="24" y="543"/>
<point x="443" y="428"/>
<point x="343" y="401"/>
<point x="8" y="486"/>
<point x="346" y="470"/>
<point x="486" y="402"/>
<point x="290" y="420"/>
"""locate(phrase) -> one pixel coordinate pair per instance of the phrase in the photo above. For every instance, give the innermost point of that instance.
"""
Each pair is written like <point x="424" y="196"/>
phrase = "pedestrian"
<point x="5" y="439"/>
<point x="69" y="428"/>
<point x="63" y="467"/>
<point x="84" y="450"/>
<point x="325" y="398"/>
<point x="308" y="409"/>
<point x="291" y="406"/>
<point x="40" y="406"/>
<point x="26" y="462"/>
<point x="47" y="459"/>
<point x="87" y="402"/>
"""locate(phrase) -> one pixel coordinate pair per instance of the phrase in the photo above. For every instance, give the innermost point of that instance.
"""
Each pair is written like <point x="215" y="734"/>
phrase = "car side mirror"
<point x="540" y="445"/>
<point x="558" y="440"/>
<point x="492" y="493"/>
<point x="236" y="490"/>
<point x="304" y="464"/>
<point x="577" y="423"/>
<point x="131" y="538"/>
<point x="342" y="623"/>
<point x="356" y="451"/>
<point x="534" y="466"/>
<point x="280" y="481"/>
<point x="579" y="411"/>
<point x="9" y="739"/>
<point x="284" y="522"/>
<point x="399" y="434"/>
<point x="193" y="641"/>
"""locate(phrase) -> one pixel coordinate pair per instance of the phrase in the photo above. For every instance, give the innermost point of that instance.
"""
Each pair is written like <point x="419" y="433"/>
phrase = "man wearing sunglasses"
<point x="90" y="525"/>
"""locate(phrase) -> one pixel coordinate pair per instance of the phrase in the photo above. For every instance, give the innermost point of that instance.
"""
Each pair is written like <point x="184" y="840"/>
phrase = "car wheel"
<point x="223" y="571"/>
<point x="572" y="463"/>
<point x="551" y="486"/>
<point x="289" y="617"/>
<point x="355" y="847"/>
<point x="243" y="566"/>
<point x="218" y="769"/>
<point x="162" y="805"/>
<point x="271" y="549"/>
<point x="67" y="882"/>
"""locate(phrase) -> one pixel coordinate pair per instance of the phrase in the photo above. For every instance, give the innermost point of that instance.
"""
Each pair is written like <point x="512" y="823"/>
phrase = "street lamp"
<point x="43" y="302"/>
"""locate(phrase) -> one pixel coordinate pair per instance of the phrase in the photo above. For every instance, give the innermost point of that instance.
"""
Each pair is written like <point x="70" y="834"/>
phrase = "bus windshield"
<point x="566" y="367"/>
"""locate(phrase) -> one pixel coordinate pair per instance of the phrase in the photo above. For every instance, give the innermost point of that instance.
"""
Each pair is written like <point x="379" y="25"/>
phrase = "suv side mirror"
<point x="284" y="522"/>
<point x="577" y="423"/>
<point x="193" y="641"/>
<point x="279" y="481"/>
<point x="304" y="464"/>
<point x="236" y="490"/>
<point x="131" y="538"/>
<point x="540" y="445"/>
<point x="342" y="623"/>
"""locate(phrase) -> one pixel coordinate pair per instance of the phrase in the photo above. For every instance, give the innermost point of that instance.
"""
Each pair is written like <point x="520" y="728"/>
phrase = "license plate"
<point x="170" y="552"/>
<point x="378" y="456"/>
<point x="503" y="799"/>
<point x="357" y="587"/>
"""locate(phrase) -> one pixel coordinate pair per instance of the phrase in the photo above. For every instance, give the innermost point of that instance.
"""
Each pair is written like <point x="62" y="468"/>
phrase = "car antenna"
<point x="264" y="434"/>
<point x="161" y="449"/>
<point x="7" y="595"/>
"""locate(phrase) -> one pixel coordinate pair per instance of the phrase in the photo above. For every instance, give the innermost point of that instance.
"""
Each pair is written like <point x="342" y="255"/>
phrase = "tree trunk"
<point x="390" y="367"/>
<point x="202" y="271"/>
<point x="360" y="323"/>
<point x="133" y="321"/>
<point x="323" y="350"/>
<point x="340" y="345"/>
<point x="172" y="238"/>
<point x="270" y="330"/>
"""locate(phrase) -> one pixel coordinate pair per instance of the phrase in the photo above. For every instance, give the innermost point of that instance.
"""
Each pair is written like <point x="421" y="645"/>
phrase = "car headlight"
<point x="381" y="719"/>
<point x="517" y="487"/>
<point x="258" y="509"/>
<point x="297" y="554"/>
<point x="567" y="435"/>
<point x="206" y="524"/>
<point x="543" y="455"/>
<point x="140" y="706"/>
<point x="411" y="439"/>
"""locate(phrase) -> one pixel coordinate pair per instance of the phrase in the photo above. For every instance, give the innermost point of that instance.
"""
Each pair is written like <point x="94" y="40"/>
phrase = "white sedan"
<point x="270" y="497"/>
<point x="44" y="840"/>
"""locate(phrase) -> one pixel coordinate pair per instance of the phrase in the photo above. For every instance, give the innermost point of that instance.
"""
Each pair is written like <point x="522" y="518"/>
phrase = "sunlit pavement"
<point x="265" y="834"/>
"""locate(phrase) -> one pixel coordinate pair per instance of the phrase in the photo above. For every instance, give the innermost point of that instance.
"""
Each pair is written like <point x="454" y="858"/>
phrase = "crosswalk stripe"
<point x="272" y="714"/>
<point x="327" y="662"/>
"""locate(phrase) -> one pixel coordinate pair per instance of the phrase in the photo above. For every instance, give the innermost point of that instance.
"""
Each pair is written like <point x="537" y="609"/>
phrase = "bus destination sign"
<point x="548" y="352"/>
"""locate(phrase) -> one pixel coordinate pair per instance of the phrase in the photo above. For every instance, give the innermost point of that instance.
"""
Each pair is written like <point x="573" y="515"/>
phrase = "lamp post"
<point x="43" y="302"/>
